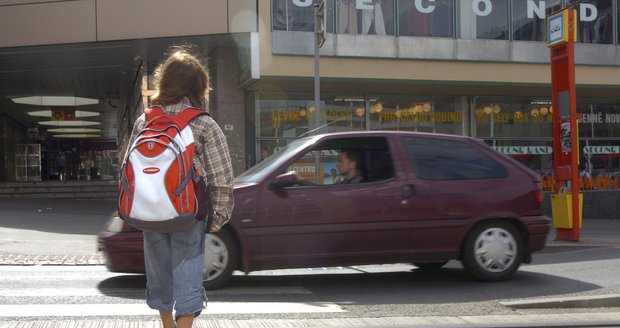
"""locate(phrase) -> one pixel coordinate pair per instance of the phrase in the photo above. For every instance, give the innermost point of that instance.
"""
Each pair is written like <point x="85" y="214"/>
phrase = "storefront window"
<point x="535" y="154"/>
<point x="595" y="21"/>
<point x="285" y="117"/>
<point x="425" y="18"/>
<point x="298" y="15"/>
<point x="522" y="128"/>
<point x="504" y="117"/>
<point x="483" y="19"/>
<point x="599" y="119"/>
<point x="365" y="17"/>
<point x="436" y="114"/>
<point x="529" y="17"/>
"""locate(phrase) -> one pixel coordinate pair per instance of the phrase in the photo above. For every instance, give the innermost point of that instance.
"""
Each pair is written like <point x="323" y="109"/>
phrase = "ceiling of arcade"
<point x="103" y="71"/>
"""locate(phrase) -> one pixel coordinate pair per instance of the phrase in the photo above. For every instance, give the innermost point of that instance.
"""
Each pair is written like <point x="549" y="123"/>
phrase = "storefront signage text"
<point x="517" y="150"/>
<point x="438" y="117"/>
<point x="517" y="117"/>
<point x="601" y="150"/>
<point x="587" y="12"/>
<point x="599" y="118"/>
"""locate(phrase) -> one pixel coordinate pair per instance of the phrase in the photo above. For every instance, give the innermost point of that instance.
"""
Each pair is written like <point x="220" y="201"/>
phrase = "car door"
<point x="329" y="224"/>
<point x="453" y="181"/>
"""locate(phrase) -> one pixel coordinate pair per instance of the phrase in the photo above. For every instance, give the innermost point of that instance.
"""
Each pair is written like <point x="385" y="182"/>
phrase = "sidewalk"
<point x="594" y="232"/>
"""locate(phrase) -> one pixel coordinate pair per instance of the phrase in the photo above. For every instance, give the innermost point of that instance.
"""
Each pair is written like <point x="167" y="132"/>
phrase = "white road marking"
<point x="60" y="292"/>
<point x="82" y="310"/>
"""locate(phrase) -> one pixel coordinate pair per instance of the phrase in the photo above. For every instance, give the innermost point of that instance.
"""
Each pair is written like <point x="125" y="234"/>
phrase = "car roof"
<point x="377" y="133"/>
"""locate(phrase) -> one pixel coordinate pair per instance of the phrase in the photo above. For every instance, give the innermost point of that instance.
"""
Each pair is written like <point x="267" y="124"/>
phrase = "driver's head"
<point x="348" y="163"/>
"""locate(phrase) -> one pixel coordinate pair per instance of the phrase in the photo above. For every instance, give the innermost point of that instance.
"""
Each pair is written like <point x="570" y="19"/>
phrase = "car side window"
<point x="440" y="159"/>
<point x="317" y="167"/>
<point x="320" y="166"/>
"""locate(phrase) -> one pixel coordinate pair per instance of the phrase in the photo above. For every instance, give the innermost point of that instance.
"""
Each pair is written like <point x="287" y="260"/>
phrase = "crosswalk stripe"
<point x="82" y="310"/>
<point x="40" y="292"/>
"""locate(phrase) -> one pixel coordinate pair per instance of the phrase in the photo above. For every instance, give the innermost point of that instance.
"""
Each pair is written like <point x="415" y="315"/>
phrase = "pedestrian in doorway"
<point x="174" y="261"/>
<point x="60" y="166"/>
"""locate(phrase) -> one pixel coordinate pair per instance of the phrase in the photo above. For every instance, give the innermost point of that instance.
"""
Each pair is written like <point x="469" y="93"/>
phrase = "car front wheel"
<point x="220" y="258"/>
<point x="493" y="251"/>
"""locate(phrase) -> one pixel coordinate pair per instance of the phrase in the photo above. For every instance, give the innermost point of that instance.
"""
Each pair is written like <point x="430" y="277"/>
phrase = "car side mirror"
<point x="287" y="179"/>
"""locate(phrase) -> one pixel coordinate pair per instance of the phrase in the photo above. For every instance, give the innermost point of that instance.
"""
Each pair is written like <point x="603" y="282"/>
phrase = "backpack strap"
<point x="189" y="114"/>
<point x="153" y="112"/>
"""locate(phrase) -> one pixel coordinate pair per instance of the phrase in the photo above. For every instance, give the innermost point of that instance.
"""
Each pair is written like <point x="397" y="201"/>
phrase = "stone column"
<point x="227" y="102"/>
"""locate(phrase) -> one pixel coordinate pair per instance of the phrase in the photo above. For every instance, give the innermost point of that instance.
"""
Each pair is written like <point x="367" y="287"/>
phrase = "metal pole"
<point x="317" y="70"/>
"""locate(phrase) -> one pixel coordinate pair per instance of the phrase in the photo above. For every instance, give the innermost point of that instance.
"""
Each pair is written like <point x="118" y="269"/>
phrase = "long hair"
<point x="181" y="74"/>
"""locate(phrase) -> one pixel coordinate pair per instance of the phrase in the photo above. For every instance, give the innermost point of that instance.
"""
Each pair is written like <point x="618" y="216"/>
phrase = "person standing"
<point x="174" y="261"/>
<point x="60" y="166"/>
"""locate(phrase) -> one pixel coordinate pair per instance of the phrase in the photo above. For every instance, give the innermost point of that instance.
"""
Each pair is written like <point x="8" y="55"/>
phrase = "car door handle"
<point x="407" y="191"/>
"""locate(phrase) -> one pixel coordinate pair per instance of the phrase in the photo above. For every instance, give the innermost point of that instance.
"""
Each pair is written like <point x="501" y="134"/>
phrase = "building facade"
<point x="469" y="67"/>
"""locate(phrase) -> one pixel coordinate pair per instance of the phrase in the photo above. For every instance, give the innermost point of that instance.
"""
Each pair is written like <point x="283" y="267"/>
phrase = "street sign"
<point x="558" y="28"/>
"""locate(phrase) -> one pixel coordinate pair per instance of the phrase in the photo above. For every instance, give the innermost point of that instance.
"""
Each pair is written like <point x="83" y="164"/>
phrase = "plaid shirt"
<point x="211" y="157"/>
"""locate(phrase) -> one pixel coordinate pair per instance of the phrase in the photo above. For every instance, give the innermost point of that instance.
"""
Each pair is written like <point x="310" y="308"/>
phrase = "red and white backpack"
<point x="160" y="188"/>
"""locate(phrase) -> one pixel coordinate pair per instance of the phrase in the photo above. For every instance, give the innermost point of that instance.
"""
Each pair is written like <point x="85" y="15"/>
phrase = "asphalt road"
<point x="52" y="226"/>
<point x="346" y="296"/>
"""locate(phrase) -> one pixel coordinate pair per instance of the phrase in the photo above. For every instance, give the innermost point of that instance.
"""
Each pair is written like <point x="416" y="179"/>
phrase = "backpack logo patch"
<point x="151" y="170"/>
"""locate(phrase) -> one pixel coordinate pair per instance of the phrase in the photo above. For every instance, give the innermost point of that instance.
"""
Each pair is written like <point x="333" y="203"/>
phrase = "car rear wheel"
<point x="220" y="258"/>
<point x="493" y="251"/>
<point x="429" y="266"/>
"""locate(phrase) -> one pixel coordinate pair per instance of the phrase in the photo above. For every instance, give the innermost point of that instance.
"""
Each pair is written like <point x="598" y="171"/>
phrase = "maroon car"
<point x="424" y="199"/>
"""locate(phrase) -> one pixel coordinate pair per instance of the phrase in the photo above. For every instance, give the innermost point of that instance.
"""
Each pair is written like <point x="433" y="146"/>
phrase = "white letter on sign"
<point x="488" y="7"/>
<point x="531" y="8"/>
<point x="427" y="10"/>
<point x="302" y="3"/>
<point x="583" y="12"/>
<point x="364" y="4"/>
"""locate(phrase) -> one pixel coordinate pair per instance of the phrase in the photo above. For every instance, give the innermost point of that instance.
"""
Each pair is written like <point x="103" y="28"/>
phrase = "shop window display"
<point x="529" y="19"/>
<point x="365" y="17"/>
<point x="595" y="21"/>
<point x="433" y="113"/>
<point x="507" y="117"/>
<point x="298" y="15"/>
<point x="430" y="19"/>
<point x="483" y="19"/>
<point x="521" y="128"/>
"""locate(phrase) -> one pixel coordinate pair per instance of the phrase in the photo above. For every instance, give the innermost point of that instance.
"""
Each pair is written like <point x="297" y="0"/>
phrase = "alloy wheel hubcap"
<point x="216" y="257"/>
<point x="495" y="249"/>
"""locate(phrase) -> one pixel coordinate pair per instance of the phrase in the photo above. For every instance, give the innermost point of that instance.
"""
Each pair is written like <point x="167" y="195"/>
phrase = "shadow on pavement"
<point x="415" y="287"/>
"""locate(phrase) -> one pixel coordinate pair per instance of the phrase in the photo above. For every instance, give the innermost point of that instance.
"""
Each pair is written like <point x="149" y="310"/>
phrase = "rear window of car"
<point x="441" y="159"/>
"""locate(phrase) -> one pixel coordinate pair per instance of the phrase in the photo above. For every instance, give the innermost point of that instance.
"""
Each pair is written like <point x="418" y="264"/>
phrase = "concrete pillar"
<point x="227" y="102"/>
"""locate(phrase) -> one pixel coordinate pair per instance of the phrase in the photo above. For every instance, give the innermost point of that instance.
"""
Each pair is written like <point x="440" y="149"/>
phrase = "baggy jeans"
<point x="174" y="265"/>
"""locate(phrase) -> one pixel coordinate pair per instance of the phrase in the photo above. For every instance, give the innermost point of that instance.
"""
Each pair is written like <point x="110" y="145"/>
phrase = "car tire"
<point x="493" y="251"/>
<point x="221" y="258"/>
<point x="430" y="266"/>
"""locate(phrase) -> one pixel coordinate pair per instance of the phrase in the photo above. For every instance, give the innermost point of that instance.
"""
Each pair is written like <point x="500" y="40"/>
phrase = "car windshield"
<point x="263" y="168"/>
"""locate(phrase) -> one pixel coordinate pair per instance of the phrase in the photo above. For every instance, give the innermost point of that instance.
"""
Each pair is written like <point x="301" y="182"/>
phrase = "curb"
<point x="595" y="301"/>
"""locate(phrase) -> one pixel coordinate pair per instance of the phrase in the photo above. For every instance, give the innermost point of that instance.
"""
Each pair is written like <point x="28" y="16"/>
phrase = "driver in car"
<point x="349" y="166"/>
